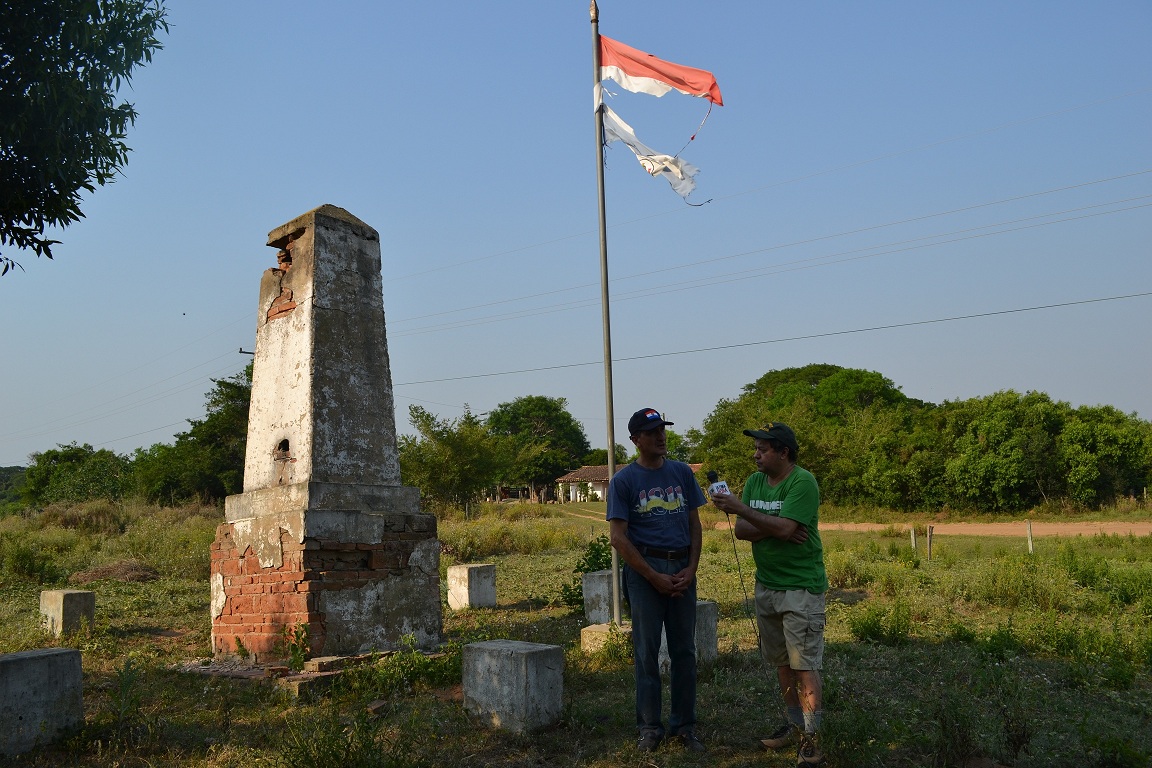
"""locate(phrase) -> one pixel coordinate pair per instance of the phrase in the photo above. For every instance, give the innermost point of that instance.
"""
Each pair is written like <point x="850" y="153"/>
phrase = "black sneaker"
<point x="809" y="753"/>
<point x="691" y="741"/>
<point x="648" y="741"/>
<point x="783" y="736"/>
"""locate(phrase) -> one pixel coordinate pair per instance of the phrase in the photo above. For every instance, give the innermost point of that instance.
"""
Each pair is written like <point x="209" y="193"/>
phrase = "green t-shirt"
<point x="781" y="564"/>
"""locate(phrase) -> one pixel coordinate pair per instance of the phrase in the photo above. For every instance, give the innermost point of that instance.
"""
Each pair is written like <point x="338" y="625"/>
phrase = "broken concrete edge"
<point x="282" y="233"/>
<point x="240" y="669"/>
<point x="308" y="685"/>
<point x="315" y="679"/>
<point x="321" y="511"/>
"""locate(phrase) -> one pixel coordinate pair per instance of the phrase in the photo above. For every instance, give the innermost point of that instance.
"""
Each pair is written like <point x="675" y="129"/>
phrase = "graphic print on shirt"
<point x="661" y="501"/>
<point x="771" y="507"/>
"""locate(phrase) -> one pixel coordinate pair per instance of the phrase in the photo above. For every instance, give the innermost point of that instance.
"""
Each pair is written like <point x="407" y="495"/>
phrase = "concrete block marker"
<point x="41" y="697"/>
<point x="594" y="636"/>
<point x="512" y="685"/>
<point x="471" y="586"/>
<point x="598" y="597"/>
<point x="707" y="617"/>
<point x="707" y="649"/>
<point x="64" y="611"/>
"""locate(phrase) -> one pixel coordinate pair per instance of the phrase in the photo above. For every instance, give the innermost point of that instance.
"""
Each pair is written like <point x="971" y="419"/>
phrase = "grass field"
<point x="985" y="653"/>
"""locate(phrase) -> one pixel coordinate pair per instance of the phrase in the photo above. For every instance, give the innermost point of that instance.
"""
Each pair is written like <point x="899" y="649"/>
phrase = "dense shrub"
<point x="476" y="539"/>
<point x="867" y="443"/>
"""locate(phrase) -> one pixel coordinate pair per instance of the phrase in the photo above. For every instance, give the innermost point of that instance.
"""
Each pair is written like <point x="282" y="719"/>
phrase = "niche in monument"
<point x="323" y="537"/>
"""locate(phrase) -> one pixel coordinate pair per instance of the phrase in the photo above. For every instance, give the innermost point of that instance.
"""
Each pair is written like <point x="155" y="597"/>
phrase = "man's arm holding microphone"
<point x="752" y="525"/>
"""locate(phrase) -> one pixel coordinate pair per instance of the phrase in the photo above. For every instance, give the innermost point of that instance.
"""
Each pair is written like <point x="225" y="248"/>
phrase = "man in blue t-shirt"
<point x="653" y="512"/>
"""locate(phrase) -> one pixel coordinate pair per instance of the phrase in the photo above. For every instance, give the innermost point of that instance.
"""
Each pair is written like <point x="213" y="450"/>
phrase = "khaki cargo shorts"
<point x="791" y="624"/>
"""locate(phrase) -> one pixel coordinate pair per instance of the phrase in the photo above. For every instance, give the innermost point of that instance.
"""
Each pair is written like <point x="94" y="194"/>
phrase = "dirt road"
<point x="1014" y="528"/>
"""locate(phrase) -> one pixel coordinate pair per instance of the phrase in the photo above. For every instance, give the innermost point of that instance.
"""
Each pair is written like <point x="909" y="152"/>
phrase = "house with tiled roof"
<point x="590" y="482"/>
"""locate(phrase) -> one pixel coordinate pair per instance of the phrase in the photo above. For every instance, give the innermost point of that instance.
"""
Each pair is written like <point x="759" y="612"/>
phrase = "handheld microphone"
<point x="715" y="484"/>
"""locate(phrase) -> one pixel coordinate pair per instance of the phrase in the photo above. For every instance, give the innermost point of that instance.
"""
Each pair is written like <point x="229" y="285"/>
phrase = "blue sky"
<point x="875" y="164"/>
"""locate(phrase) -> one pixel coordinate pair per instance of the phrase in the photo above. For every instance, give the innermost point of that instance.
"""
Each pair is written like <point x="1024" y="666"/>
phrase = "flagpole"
<point x="606" y="322"/>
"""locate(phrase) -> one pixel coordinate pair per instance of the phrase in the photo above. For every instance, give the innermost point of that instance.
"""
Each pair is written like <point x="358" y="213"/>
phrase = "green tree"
<point x="1105" y="454"/>
<point x="451" y="461"/>
<point x="1004" y="453"/>
<point x="61" y="130"/>
<point x="76" y="473"/>
<point x="923" y="456"/>
<point x="820" y="402"/>
<point x="679" y="448"/>
<point x="550" y="442"/>
<point x="853" y="427"/>
<point x="207" y="461"/>
<point x="598" y="457"/>
<point x="11" y="483"/>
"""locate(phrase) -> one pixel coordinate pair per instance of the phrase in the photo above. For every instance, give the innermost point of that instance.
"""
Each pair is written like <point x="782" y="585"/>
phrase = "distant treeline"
<point x="205" y="463"/>
<point x="869" y="444"/>
<point x="11" y="481"/>
<point x="866" y="442"/>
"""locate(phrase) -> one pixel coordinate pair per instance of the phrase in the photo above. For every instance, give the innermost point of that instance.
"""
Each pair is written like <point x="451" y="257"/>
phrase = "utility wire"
<point x="804" y="337"/>
<point x="700" y="350"/>
<point x="828" y="259"/>
<point x="678" y="209"/>
<point x="134" y="404"/>
<point x="789" y="266"/>
<point x="664" y="268"/>
<point x="138" y="434"/>
<point x="578" y="304"/>
<point x="40" y="431"/>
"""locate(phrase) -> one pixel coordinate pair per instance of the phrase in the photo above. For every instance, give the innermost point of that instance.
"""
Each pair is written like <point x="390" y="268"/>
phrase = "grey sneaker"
<point x="783" y="736"/>
<point x="648" y="741"/>
<point x="691" y="741"/>
<point x="809" y="753"/>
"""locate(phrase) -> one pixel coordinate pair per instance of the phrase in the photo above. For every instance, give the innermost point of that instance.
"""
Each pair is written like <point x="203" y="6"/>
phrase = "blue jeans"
<point x="652" y="611"/>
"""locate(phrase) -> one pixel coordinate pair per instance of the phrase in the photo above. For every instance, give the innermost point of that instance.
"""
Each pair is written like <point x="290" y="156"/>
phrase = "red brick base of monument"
<point x="262" y="607"/>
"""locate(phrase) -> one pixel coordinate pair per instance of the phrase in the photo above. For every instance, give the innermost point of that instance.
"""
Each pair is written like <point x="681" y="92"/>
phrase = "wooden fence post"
<point x="929" y="542"/>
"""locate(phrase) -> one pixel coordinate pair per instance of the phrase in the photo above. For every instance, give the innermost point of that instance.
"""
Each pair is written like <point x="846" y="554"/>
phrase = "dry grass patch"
<point x="123" y="570"/>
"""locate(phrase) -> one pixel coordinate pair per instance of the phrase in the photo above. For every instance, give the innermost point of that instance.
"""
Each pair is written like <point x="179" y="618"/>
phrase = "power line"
<point x="68" y="397"/>
<point x="825" y="260"/>
<point x="89" y="409"/>
<point x="699" y="350"/>
<point x="579" y="304"/>
<point x="790" y="266"/>
<point x="40" y="431"/>
<point x="664" y="269"/>
<point x="145" y="432"/>
<point x="430" y="402"/>
<point x="804" y="337"/>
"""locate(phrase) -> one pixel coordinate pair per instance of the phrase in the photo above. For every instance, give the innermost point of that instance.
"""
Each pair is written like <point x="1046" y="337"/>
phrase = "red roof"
<point x="599" y="474"/>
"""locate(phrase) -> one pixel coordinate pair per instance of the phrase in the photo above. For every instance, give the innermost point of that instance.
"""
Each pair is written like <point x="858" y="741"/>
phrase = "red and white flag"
<point x="641" y="72"/>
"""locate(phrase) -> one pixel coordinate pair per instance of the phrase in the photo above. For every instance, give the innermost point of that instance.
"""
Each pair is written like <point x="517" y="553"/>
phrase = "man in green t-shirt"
<point x="778" y="513"/>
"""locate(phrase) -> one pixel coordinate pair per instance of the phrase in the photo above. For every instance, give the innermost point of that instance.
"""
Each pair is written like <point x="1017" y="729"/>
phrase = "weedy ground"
<point x="984" y="655"/>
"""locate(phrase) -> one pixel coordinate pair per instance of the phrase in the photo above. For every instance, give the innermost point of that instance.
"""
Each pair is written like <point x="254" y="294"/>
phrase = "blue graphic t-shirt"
<point x="656" y="503"/>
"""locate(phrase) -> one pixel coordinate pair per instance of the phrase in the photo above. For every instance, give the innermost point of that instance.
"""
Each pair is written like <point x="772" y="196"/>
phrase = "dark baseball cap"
<point x="775" y="430"/>
<point x="645" y="419"/>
